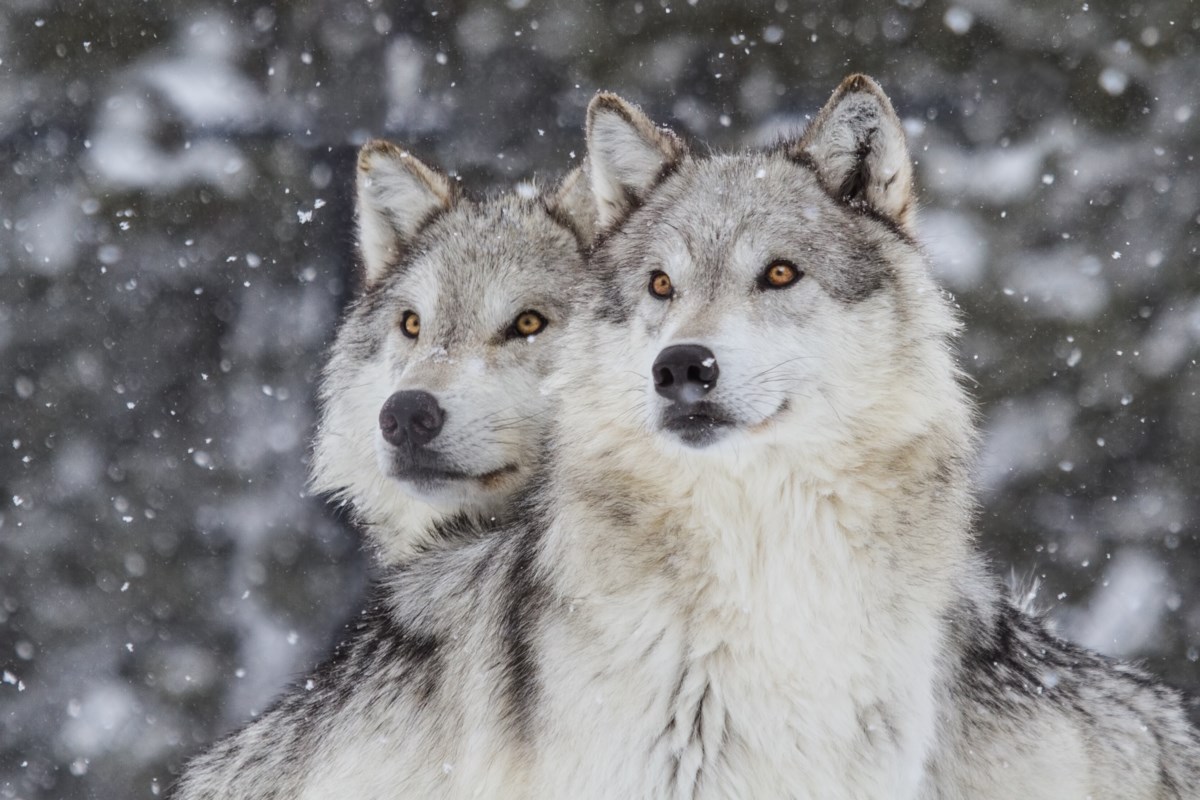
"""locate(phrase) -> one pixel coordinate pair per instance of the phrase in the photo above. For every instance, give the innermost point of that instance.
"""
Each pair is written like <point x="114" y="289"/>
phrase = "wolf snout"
<point x="411" y="417"/>
<point x="684" y="373"/>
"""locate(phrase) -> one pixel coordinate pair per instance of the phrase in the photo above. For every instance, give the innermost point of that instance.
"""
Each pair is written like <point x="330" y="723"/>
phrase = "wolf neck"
<point x="399" y="526"/>
<point x="797" y="604"/>
<point x="726" y="521"/>
<point x="775" y="616"/>
<point x="791" y="541"/>
<point x="402" y="527"/>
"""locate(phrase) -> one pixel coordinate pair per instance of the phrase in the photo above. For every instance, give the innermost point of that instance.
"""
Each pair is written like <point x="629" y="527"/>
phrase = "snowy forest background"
<point x="176" y="244"/>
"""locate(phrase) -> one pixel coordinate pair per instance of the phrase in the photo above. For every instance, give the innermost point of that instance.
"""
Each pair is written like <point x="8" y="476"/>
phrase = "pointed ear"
<point x="627" y="155"/>
<point x="397" y="196"/>
<point x="857" y="147"/>
<point x="572" y="204"/>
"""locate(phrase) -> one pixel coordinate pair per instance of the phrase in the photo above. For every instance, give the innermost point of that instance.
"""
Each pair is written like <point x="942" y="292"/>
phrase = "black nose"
<point x="685" y="372"/>
<point x="411" y="417"/>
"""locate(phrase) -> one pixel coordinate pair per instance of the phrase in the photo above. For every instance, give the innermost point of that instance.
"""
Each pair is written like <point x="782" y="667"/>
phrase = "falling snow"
<point x="175" y="241"/>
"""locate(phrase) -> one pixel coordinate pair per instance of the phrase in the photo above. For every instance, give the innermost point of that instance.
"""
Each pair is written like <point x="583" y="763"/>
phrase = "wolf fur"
<point x="765" y="586"/>
<point x="468" y="269"/>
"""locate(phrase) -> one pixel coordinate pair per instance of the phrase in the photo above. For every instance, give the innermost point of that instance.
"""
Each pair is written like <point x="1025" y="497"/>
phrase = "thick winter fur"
<point x="774" y="594"/>
<point x="468" y="270"/>
<point x="1028" y="715"/>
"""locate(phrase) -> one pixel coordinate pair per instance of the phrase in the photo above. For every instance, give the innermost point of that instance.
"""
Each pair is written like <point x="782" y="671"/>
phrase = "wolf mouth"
<point x="697" y="424"/>
<point x="701" y="424"/>
<point x="431" y="476"/>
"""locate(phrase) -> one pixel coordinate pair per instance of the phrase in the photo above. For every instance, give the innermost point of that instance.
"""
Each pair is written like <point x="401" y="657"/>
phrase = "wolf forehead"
<point x="717" y="218"/>
<point x="489" y="240"/>
<point x="485" y="252"/>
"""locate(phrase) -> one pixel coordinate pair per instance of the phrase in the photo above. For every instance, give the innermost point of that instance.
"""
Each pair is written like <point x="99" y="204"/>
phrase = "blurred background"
<point x="176" y="244"/>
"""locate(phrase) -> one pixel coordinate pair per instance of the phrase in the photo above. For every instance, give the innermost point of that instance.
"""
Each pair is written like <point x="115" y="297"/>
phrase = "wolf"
<point x="431" y="401"/>
<point x="747" y="568"/>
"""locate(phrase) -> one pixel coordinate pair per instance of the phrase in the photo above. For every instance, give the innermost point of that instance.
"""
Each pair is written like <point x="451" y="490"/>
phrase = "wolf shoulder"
<point x="1028" y="715"/>
<point x="392" y="711"/>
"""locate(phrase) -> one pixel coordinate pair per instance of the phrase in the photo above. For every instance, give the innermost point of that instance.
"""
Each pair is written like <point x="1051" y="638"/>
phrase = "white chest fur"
<point x="781" y="649"/>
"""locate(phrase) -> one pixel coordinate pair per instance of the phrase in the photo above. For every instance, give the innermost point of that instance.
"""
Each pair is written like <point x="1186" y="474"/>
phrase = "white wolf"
<point x="432" y="403"/>
<point x="750" y="572"/>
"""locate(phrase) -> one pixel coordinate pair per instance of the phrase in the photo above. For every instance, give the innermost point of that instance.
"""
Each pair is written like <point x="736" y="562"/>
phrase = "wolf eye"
<point x="410" y="323"/>
<point x="527" y="323"/>
<point x="660" y="285"/>
<point x="780" y="275"/>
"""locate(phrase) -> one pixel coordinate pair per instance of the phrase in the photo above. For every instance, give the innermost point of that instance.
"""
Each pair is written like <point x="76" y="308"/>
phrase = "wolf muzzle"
<point x="685" y="374"/>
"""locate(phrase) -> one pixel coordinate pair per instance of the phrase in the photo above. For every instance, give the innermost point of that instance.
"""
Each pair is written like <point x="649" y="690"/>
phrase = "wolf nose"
<point x="412" y="417"/>
<point x="685" y="372"/>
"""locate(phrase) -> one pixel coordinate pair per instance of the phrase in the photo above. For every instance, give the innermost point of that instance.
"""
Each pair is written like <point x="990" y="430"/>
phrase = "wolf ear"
<point x="857" y="147"/>
<point x="627" y="155"/>
<point x="573" y="205"/>
<point x="397" y="196"/>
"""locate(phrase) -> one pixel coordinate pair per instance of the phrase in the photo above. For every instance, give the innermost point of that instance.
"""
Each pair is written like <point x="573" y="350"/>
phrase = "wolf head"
<point x="762" y="299"/>
<point x="432" y="403"/>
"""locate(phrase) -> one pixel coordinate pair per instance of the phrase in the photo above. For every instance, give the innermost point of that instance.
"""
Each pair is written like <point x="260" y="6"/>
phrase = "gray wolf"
<point x="749" y="569"/>
<point x="431" y="400"/>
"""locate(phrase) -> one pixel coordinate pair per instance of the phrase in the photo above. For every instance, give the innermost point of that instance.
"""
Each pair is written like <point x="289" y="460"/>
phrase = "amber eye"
<point x="780" y="275"/>
<point x="660" y="285"/>
<point x="410" y="323"/>
<point x="527" y="323"/>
